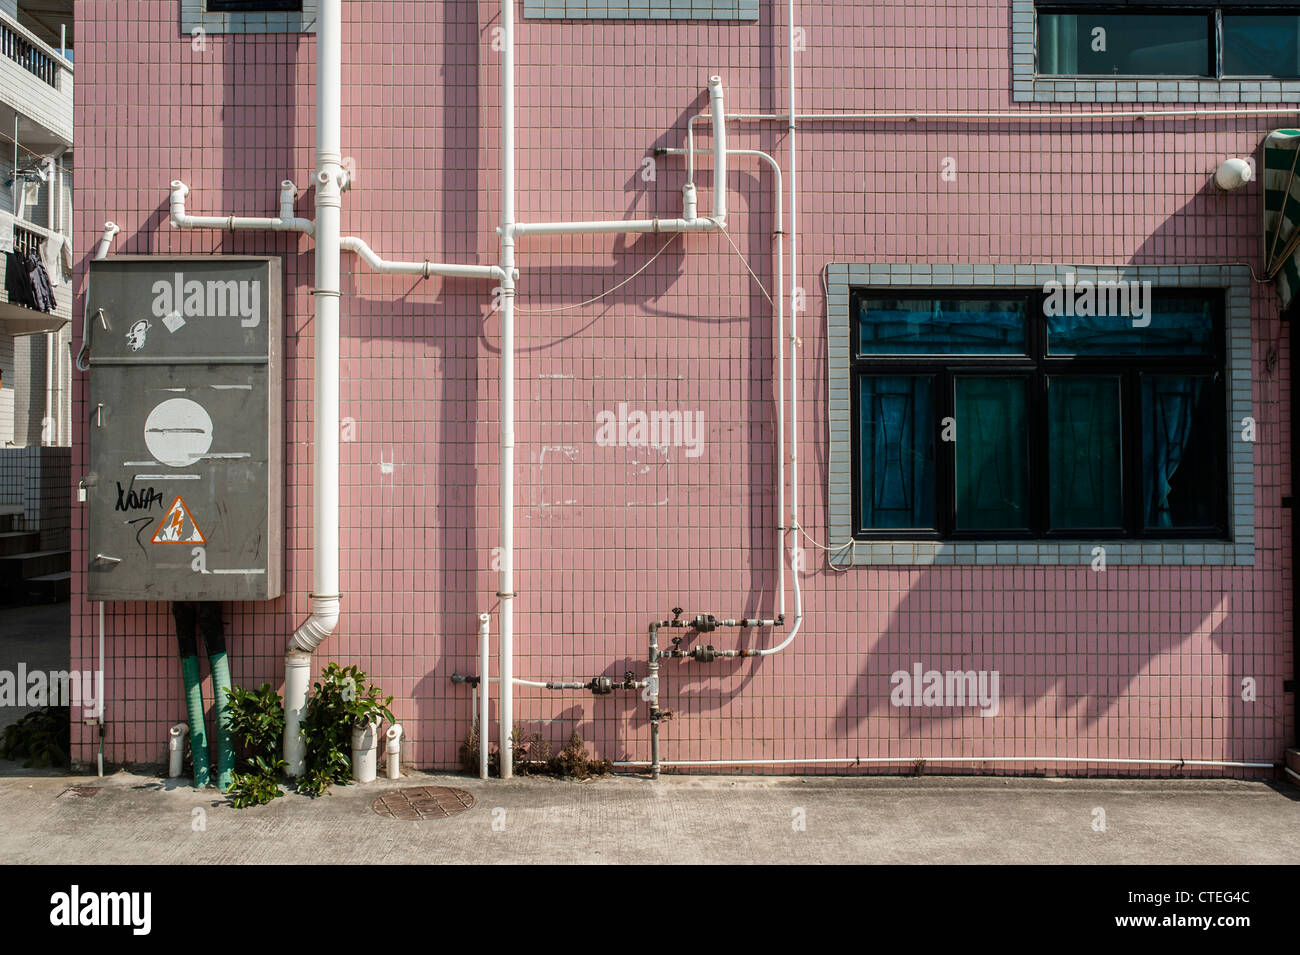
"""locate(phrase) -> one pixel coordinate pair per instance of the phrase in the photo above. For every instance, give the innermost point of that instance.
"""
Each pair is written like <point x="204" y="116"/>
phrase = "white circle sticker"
<point x="178" y="432"/>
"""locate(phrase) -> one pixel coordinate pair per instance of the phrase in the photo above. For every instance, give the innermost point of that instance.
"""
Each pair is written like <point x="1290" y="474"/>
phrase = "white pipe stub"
<point x="1233" y="174"/>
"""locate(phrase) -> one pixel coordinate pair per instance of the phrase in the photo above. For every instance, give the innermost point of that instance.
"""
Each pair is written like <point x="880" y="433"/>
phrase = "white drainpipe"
<point x="484" y="629"/>
<point x="330" y="178"/>
<point x="796" y="547"/>
<point x="111" y="229"/>
<point x="506" y="588"/>
<point x="393" y="751"/>
<point x="176" y="749"/>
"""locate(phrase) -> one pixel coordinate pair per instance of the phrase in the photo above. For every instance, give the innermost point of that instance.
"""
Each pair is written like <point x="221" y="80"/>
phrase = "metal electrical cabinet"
<point x="186" y="452"/>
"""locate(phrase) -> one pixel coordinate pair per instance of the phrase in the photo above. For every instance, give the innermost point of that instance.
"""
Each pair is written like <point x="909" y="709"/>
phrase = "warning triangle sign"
<point x="178" y="526"/>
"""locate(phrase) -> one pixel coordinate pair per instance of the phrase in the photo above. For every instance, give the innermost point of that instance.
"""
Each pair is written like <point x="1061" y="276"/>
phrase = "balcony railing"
<point x="29" y="57"/>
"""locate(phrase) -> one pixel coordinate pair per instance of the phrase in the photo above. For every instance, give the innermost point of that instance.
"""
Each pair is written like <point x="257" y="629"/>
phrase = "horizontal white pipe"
<point x="351" y="243"/>
<point x="901" y="760"/>
<point x="180" y="219"/>
<point x="894" y="116"/>
<point x="617" y="226"/>
<point x="1292" y="773"/>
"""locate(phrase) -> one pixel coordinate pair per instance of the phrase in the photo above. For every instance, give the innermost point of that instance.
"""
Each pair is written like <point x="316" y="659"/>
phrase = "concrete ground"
<point x="132" y="818"/>
<point x="684" y="819"/>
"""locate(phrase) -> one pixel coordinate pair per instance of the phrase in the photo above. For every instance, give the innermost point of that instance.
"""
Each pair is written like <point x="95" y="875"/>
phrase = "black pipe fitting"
<point x="601" y="686"/>
<point x="705" y="623"/>
<point x="704" y="654"/>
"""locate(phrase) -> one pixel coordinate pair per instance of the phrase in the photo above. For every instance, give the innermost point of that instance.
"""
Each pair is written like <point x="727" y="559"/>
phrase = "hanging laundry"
<point x="52" y="259"/>
<point x="27" y="282"/>
<point x="6" y="232"/>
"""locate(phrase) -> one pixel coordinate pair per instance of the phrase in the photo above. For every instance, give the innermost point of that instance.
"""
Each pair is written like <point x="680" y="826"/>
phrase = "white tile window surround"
<point x="642" y="9"/>
<point x="196" y="16"/>
<point x="1238" y="550"/>
<point x="1028" y="86"/>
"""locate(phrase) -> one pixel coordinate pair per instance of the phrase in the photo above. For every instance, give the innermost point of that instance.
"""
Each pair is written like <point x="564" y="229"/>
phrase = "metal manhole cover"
<point x="423" y="802"/>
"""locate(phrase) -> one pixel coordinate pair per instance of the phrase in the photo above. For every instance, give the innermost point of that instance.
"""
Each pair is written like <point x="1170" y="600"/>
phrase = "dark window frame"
<point x="1214" y="9"/>
<point x="1037" y="366"/>
<point x="253" y="6"/>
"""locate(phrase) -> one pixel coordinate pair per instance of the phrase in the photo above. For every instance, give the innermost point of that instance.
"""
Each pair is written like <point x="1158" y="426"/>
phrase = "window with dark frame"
<point x="1190" y="39"/>
<point x="979" y="417"/>
<point x="253" y="6"/>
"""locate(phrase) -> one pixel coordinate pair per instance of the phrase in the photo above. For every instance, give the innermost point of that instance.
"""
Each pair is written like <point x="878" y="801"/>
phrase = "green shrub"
<point x="256" y="721"/>
<point x="41" y="738"/>
<point x="340" y="700"/>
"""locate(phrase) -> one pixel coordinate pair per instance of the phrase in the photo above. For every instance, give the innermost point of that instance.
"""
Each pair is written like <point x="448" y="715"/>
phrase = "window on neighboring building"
<point x="1001" y="416"/>
<point x="253" y="6"/>
<point x="1210" y="40"/>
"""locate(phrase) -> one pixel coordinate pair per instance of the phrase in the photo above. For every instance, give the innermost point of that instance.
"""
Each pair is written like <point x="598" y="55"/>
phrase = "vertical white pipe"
<point x="47" y="437"/>
<point x="506" y="590"/>
<point x="99" y="677"/>
<point x="484" y="631"/>
<point x="719" y="149"/>
<point x="325" y="597"/>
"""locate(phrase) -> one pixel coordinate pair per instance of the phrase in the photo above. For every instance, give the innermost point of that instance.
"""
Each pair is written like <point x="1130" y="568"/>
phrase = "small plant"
<point x="256" y="720"/>
<point x="574" y="763"/>
<point x="259" y="785"/>
<point x="340" y="700"/>
<point x="41" y="738"/>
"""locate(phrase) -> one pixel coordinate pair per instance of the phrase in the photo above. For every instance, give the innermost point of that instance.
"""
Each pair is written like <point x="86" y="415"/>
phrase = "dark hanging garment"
<point x="18" y="282"/>
<point x="42" y="291"/>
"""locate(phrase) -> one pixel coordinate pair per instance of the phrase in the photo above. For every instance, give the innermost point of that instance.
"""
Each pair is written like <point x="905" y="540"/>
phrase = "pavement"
<point x="132" y="818"/>
<point x="54" y="817"/>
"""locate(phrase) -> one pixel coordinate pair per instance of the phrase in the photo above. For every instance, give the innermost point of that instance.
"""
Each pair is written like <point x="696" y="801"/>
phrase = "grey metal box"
<point x="185" y="488"/>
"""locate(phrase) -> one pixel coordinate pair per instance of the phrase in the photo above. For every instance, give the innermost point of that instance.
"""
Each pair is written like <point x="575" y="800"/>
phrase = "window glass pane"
<point x="894" y="326"/>
<point x="896" y="447"/>
<point x="1256" y="45"/>
<point x="992" y="466"/>
<point x="1135" y="321"/>
<point x="1083" y="447"/>
<point x="1183" y="462"/>
<point x="1124" y="44"/>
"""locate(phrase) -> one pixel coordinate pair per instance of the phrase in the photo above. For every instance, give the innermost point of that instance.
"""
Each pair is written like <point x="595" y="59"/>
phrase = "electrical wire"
<point x="565" y="308"/>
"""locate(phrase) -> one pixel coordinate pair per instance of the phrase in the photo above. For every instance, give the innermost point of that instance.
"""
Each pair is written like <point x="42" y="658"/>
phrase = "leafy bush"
<point x="41" y="738"/>
<point x="340" y="700"/>
<point x="256" y="720"/>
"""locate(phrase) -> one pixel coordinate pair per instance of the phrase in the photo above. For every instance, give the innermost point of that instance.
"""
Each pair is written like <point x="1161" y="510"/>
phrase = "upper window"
<point x="1199" y="40"/>
<point x="253" y="6"/>
<point x="1070" y="413"/>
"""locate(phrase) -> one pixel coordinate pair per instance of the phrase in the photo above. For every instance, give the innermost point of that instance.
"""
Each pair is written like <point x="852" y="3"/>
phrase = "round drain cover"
<point x="423" y="802"/>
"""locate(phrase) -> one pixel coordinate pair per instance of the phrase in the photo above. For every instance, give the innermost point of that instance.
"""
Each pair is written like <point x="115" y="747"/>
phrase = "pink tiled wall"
<point x="1139" y="662"/>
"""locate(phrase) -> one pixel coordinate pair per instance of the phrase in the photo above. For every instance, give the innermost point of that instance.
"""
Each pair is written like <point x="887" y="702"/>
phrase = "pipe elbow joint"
<point x="322" y="622"/>
<point x="393" y="740"/>
<point x="177" y="203"/>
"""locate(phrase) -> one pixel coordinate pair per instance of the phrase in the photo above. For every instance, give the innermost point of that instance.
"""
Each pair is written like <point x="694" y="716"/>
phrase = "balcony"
<point x="35" y="88"/>
<point x="17" y="319"/>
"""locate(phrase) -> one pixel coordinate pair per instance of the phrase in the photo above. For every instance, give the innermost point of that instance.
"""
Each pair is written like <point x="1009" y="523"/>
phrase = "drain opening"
<point x="423" y="802"/>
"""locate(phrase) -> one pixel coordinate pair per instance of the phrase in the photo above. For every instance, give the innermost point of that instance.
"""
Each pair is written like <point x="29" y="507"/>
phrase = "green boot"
<point x="198" y="727"/>
<point x="225" y="747"/>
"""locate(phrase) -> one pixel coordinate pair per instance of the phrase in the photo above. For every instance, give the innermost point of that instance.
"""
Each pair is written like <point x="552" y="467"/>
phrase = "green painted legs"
<point x="198" y="726"/>
<point x="225" y="746"/>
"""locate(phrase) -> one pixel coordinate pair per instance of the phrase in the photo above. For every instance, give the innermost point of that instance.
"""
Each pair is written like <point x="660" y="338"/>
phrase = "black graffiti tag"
<point x="129" y="499"/>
